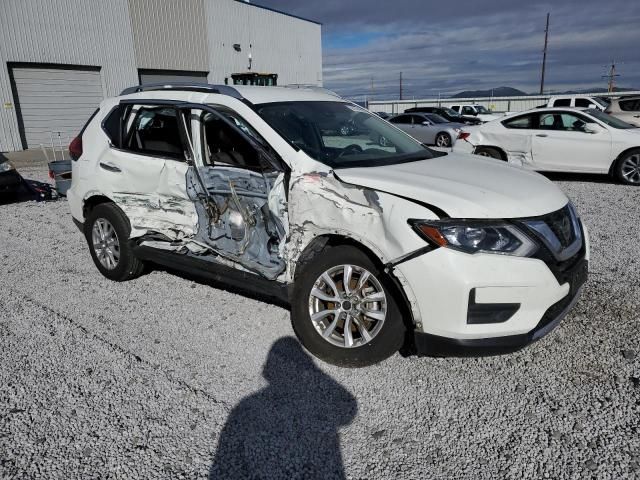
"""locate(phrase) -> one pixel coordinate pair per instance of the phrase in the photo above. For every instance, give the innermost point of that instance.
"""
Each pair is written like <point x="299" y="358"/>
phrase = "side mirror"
<point x="426" y="123"/>
<point x="591" y="128"/>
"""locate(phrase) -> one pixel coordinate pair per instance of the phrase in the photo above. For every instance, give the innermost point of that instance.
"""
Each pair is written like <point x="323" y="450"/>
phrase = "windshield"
<point x="481" y="109"/>
<point x="436" y="118"/>
<point x="451" y="113"/>
<point x="608" y="119"/>
<point x="340" y="134"/>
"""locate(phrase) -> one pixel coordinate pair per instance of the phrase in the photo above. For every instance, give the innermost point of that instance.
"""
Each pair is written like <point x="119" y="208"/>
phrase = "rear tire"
<point x="107" y="232"/>
<point x="627" y="168"/>
<point x="488" y="152"/>
<point x="367" y="341"/>
<point x="443" y="140"/>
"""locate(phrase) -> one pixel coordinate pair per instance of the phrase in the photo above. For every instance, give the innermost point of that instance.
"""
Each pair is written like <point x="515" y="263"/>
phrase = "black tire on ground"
<point x="488" y="152"/>
<point x="128" y="266"/>
<point x="627" y="168"/>
<point x="388" y="340"/>
<point x="443" y="140"/>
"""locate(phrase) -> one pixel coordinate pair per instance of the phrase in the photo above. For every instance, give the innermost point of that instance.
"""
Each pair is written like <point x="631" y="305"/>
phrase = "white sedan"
<point x="561" y="140"/>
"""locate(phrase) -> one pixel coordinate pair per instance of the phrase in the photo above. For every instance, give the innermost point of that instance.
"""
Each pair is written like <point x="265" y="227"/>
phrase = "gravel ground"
<point x="166" y="377"/>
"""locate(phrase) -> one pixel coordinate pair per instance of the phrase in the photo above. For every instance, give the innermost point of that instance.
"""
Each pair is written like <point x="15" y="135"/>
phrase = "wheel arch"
<point x="92" y="201"/>
<point x="620" y="156"/>
<point x="500" y="150"/>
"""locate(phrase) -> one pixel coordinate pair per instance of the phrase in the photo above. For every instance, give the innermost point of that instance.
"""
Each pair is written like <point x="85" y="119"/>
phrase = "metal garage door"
<point x="55" y="100"/>
<point x="168" y="76"/>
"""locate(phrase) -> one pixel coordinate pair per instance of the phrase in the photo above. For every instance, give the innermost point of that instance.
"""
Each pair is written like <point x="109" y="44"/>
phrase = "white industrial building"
<point x="60" y="58"/>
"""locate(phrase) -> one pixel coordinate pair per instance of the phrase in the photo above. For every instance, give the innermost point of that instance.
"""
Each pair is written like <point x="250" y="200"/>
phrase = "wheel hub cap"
<point x="347" y="306"/>
<point x="105" y="243"/>
<point x="631" y="168"/>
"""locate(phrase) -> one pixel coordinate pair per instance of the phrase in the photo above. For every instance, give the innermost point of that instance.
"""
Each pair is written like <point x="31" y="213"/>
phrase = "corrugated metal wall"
<point x="169" y="34"/>
<point x="71" y="32"/>
<point x="278" y="43"/>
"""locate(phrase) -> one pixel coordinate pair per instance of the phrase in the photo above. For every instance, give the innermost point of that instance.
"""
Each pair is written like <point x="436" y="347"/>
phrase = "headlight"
<point x="6" y="166"/>
<point x="476" y="237"/>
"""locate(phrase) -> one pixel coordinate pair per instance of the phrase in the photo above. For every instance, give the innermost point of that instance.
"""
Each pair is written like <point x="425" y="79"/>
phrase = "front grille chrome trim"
<point x="540" y="226"/>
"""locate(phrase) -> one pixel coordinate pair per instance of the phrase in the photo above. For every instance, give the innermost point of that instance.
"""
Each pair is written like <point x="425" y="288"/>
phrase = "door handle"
<point x="541" y="135"/>
<point x="109" y="167"/>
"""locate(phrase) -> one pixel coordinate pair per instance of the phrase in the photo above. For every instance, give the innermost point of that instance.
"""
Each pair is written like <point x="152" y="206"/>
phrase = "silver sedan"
<point x="428" y="128"/>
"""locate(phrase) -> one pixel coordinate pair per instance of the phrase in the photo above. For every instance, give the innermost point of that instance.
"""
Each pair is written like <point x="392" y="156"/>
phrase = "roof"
<point x="277" y="11"/>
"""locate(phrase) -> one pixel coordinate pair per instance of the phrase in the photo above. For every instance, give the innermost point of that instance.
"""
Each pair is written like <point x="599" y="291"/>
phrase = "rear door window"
<point x="562" y="102"/>
<point x="583" y="103"/>
<point x="154" y="131"/>
<point x="402" y="119"/>
<point x="630" y="105"/>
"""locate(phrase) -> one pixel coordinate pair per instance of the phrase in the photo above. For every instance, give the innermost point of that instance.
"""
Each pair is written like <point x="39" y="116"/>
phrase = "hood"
<point x="464" y="186"/>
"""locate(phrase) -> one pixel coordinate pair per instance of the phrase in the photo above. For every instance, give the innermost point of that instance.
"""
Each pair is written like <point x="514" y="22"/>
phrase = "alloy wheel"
<point x="347" y="306"/>
<point x="105" y="243"/>
<point x="631" y="168"/>
<point x="442" y="141"/>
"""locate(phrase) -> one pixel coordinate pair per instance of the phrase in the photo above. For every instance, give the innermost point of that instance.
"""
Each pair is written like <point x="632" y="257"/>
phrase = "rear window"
<point x="562" y="102"/>
<point x="630" y="105"/>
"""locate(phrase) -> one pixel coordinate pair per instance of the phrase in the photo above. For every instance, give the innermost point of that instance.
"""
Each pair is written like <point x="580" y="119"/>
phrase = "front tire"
<point x="627" y="168"/>
<point x="443" y="140"/>
<point x="107" y="232"/>
<point x="343" y="309"/>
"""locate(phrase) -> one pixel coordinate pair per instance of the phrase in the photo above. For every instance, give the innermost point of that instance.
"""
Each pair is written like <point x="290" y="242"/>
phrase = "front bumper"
<point x="426" y="344"/>
<point x="446" y="283"/>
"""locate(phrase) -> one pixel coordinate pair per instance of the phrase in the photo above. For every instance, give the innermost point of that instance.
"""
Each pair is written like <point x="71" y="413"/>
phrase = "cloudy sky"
<point x="449" y="46"/>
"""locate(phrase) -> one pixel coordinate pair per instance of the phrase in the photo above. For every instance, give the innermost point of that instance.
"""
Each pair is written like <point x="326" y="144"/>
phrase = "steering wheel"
<point x="353" y="148"/>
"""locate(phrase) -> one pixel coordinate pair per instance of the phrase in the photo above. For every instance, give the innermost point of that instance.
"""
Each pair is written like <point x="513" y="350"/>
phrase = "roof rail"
<point x="184" y="86"/>
<point x="312" y="87"/>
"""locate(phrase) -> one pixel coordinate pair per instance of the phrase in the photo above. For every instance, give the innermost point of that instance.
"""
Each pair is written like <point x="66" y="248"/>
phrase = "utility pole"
<point x="544" y="55"/>
<point x="611" y="77"/>
<point x="400" y="85"/>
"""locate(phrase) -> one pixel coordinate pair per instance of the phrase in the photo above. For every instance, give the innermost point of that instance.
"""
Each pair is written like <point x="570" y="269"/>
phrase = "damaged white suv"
<point x="378" y="243"/>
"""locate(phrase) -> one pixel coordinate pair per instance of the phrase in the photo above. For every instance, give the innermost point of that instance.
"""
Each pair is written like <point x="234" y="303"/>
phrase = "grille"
<point x="559" y="231"/>
<point x="561" y="225"/>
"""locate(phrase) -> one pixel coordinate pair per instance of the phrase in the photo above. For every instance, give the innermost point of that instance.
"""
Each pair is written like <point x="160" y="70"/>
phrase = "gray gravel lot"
<point x="166" y="377"/>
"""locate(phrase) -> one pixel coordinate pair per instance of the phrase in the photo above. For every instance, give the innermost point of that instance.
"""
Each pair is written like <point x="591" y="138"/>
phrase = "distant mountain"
<point x="496" y="92"/>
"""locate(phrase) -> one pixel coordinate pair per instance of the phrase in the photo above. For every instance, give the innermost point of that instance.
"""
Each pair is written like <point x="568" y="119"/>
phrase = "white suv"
<point x="376" y="248"/>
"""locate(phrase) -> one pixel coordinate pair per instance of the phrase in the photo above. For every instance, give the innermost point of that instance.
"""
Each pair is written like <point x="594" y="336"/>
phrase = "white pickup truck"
<point x="479" y="111"/>
<point x="579" y="101"/>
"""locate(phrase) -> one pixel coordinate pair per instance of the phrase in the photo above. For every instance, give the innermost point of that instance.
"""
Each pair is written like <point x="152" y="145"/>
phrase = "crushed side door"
<point x="239" y="192"/>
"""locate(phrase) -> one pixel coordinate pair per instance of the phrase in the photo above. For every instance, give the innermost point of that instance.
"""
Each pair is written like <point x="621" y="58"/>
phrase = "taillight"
<point x="463" y="135"/>
<point x="75" y="148"/>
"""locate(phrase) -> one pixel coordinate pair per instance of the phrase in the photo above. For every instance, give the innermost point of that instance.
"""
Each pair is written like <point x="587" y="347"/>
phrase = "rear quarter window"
<point x="521" y="122"/>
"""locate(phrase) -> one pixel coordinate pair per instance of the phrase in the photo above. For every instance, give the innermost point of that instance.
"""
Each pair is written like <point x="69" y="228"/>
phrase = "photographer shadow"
<point x="289" y="429"/>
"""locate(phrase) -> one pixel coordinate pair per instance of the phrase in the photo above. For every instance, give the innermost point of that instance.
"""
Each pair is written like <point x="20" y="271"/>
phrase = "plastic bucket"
<point x="60" y="173"/>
